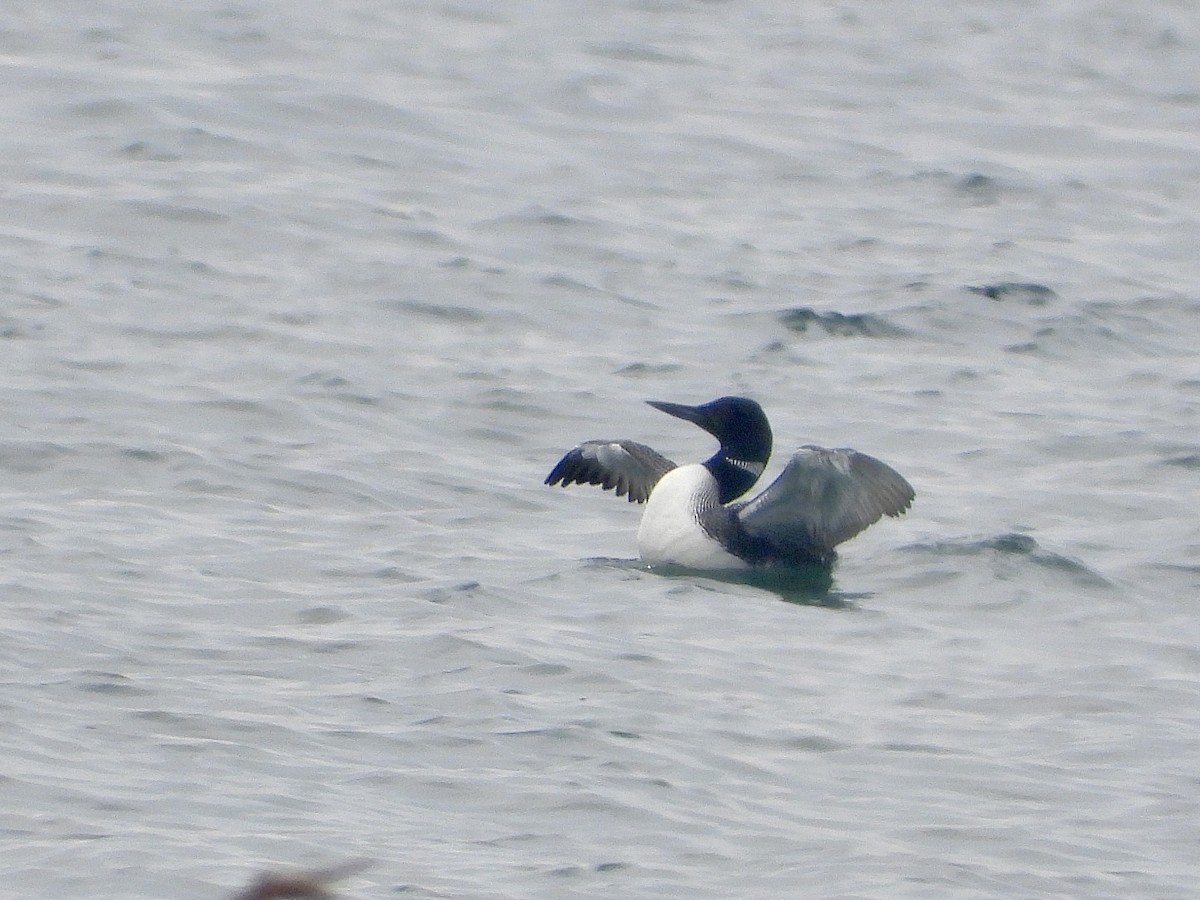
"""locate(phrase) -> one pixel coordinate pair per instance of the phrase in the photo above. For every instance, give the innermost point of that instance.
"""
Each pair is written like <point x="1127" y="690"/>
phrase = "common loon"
<point x="822" y="498"/>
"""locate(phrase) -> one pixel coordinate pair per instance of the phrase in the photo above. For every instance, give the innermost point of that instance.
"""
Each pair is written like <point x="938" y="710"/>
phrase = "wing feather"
<point x="626" y="467"/>
<point x="822" y="498"/>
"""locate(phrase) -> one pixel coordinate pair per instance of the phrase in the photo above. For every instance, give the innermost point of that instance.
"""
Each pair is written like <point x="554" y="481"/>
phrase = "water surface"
<point x="302" y="302"/>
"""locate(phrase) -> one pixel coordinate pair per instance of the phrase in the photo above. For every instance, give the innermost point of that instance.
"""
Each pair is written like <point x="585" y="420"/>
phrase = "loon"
<point x="822" y="498"/>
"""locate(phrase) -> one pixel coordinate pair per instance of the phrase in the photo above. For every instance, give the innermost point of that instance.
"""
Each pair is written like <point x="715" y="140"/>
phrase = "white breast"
<point x="670" y="531"/>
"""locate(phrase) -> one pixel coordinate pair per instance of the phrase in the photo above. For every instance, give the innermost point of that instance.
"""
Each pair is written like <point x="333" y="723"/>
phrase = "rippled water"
<point x="301" y="303"/>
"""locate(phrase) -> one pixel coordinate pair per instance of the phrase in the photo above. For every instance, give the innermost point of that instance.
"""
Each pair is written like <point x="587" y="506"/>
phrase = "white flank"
<point x="670" y="531"/>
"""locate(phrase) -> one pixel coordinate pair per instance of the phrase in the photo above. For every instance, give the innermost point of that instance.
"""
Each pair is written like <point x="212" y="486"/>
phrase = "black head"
<point x="745" y="435"/>
<point x="737" y="422"/>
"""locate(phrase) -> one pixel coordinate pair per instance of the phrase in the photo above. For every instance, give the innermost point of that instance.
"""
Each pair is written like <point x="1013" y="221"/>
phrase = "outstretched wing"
<point x="822" y="498"/>
<point x="626" y="466"/>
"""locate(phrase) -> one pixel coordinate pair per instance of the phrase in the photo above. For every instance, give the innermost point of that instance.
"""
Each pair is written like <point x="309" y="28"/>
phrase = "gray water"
<point x="301" y="301"/>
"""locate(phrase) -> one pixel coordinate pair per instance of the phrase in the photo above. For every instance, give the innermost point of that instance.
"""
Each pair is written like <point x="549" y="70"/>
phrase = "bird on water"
<point x="694" y="517"/>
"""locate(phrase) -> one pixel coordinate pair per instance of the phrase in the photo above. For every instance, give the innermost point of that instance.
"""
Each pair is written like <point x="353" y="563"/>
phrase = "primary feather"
<point x="625" y="467"/>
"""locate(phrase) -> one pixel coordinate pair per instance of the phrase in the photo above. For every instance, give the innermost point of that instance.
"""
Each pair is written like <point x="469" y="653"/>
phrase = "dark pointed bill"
<point x="678" y="410"/>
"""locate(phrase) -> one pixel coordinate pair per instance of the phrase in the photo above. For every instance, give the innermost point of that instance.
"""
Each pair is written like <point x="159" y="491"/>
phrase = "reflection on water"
<point x="803" y="585"/>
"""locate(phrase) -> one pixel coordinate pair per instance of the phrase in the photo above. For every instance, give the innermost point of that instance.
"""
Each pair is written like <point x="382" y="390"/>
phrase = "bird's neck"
<point x="733" y="476"/>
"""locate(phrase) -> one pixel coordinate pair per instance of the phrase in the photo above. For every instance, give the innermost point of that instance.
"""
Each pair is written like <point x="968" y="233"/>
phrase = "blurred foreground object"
<point x="311" y="883"/>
